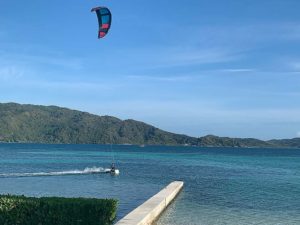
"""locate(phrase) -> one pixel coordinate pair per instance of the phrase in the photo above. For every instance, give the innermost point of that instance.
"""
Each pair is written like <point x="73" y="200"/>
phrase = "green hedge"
<point x="21" y="210"/>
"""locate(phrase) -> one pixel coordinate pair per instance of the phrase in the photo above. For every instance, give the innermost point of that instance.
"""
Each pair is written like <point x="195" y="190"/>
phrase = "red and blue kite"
<point x="104" y="20"/>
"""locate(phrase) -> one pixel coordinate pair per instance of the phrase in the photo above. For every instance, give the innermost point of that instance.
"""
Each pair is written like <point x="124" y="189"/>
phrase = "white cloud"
<point x="202" y="110"/>
<point x="180" y="78"/>
<point x="11" y="73"/>
<point x="238" y="70"/>
<point x="173" y="56"/>
<point x="295" y="66"/>
<point x="67" y="62"/>
<point x="84" y="86"/>
<point x="214" y="45"/>
<point x="201" y="56"/>
<point x="41" y="59"/>
<point x="245" y="34"/>
<point x="298" y="134"/>
<point x="64" y="86"/>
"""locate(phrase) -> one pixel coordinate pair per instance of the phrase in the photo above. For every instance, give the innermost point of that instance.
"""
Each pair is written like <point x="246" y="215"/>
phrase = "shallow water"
<point x="222" y="185"/>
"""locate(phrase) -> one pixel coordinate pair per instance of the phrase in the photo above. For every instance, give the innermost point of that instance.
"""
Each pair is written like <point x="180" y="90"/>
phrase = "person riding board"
<point x="112" y="168"/>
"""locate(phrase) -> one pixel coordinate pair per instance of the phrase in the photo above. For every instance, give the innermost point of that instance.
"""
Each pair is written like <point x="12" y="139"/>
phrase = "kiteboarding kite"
<point x="104" y="20"/>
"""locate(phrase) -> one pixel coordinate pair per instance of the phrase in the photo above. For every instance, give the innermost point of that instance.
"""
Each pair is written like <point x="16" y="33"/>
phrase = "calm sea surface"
<point x="222" y="185"/>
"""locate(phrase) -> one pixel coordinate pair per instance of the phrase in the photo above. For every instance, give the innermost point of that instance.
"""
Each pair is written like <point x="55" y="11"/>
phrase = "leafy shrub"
<point x="21" y="210"/>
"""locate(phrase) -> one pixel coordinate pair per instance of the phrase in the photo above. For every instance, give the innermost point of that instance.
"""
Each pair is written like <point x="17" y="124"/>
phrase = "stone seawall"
<point x="149" y="211"/>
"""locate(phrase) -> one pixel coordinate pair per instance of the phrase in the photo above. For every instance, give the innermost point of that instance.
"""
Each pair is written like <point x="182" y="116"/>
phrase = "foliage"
<point x="51" y="124"/>
<point x="20" y="210"/>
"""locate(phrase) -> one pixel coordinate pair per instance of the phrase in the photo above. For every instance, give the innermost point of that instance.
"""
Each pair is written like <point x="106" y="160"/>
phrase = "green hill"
<point x="215" y="141"/>
<point x="288" y="143"/>
<point x="52" y="124"/>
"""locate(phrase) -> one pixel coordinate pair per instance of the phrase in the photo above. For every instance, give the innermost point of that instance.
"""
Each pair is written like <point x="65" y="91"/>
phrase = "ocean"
<point x="234" y="186"/>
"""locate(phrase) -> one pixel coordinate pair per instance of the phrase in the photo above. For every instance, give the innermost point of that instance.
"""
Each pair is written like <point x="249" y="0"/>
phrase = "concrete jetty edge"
<point x="150" y="211"/>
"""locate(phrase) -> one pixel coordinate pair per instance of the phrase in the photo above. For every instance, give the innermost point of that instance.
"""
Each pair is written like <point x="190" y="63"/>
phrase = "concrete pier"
<point x="149" y="211"/>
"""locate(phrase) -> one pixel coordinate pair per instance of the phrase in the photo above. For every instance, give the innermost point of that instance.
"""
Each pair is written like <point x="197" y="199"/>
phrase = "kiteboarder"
<point x="112" y="168"/>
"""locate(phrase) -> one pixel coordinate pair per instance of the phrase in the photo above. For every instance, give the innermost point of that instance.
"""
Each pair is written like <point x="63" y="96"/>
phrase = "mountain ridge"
<point x="26" y="123"/>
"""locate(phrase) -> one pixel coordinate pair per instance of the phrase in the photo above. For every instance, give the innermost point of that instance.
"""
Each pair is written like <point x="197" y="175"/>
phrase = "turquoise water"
<point x="222" y="186"/>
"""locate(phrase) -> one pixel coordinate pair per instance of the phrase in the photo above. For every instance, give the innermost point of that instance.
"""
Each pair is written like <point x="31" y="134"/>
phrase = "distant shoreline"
<point x="190" y="146"/>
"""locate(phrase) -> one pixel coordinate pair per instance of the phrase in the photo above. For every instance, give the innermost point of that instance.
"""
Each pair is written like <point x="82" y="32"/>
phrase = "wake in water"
<point x="87" y="170"/>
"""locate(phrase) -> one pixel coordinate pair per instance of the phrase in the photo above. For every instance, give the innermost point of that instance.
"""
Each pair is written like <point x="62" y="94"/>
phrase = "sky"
<point x="195" y="67"/>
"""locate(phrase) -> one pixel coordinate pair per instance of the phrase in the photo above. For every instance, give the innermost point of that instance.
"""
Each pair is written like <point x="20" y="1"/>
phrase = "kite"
<point x="104" y="20"/>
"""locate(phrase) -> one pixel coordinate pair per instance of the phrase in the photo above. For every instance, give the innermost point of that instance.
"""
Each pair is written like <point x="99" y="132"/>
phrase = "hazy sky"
<point x="223" y="67"/>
